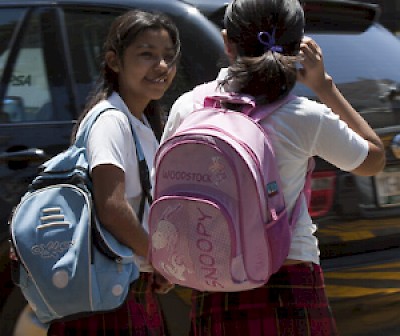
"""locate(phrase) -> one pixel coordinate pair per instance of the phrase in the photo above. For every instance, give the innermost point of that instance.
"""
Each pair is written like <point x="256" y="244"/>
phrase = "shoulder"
<point x="116" y="117"/>
<point x="110" y="114"/>
<point x="307" y="113"/>
<point x="181" y="108"/>
<point x="109" y="121"/>
<point x="184" y="104"/>
<point x="193" y="99"/>
<point x="307" y="107"/>
<point x="301" y="111"/>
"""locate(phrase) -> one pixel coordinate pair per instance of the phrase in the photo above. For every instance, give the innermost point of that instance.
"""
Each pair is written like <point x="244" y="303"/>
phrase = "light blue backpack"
<point x="67" y="264"/>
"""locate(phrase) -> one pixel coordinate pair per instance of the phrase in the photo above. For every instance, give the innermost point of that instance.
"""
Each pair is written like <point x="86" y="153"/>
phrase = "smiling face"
<point x="144" y="72"/>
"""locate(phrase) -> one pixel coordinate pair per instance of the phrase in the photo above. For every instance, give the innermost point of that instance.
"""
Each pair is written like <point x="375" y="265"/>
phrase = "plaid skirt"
<point x="139" y="315"/>
<point x="293" y="303"/>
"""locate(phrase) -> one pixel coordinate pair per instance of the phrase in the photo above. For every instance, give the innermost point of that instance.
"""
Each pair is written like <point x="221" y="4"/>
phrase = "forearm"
<point x="313" y="75"/>
<point x="119" y="218"/>
<point x="330" y="95"/>
<point x="114" y="211"/>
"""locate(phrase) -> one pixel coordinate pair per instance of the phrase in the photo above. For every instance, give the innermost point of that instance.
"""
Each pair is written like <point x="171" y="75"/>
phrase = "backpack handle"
<point x="218" y="101"/>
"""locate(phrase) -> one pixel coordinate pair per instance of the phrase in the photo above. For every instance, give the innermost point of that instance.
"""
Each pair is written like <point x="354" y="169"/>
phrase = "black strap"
<point x="143" y="175"/>
<point x="146" y="187"/>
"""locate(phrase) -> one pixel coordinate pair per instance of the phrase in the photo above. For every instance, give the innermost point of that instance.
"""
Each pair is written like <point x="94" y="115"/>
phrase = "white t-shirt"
<point x="111" y="142"/>
<point x="300" y="129"/>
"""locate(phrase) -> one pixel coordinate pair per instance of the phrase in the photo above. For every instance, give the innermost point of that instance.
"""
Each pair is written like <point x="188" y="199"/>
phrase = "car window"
<point x="12" y="105"/>
<point x="29" y="85"/>
<point x="86" y="47"/>
<point x="36" y="90"/>
<point x="365" y="67"/>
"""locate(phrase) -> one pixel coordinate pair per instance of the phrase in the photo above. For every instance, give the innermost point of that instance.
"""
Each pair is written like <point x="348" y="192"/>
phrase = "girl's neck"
<point x="136" y="107"/>
<point x="136" y="112"/>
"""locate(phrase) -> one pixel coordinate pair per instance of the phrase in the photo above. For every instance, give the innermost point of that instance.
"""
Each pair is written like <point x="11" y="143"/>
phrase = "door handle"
<point x="30" y="154"/>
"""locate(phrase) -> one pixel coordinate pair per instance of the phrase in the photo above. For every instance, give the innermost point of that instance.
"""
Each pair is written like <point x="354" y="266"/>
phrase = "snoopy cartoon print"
<point x="166" y="238"/>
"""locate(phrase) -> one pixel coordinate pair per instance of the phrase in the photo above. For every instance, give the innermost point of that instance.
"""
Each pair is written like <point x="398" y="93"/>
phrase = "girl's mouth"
<point x="158" y="80"/>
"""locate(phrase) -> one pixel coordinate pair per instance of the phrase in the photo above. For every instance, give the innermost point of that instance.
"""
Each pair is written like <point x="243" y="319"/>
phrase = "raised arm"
<point x="314" y="76"/>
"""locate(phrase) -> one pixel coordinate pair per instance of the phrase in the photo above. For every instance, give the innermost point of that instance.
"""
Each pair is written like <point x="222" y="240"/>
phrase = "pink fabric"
<point x="219" y="220"/>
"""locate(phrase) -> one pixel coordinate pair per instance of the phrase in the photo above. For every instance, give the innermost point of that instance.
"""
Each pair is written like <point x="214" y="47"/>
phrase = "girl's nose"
<point x="162" y="63"/>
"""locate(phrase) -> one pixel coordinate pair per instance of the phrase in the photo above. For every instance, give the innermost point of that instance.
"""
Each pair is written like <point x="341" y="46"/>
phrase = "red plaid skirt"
<point x="293" y="303"/>
<point x="139" y="315"/>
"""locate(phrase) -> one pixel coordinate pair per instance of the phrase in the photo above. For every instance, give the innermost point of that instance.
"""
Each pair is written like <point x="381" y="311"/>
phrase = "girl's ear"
<point x="230" y="47"/>
<point x="112" y="61"/>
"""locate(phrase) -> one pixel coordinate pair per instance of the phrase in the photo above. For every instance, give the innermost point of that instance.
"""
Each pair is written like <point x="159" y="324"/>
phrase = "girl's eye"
<point x="147" y="55"/>
<point x="169" y="58"/>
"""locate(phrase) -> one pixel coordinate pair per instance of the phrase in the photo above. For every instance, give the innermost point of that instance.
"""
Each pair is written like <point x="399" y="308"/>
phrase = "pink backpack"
<point x="218" y="221"/>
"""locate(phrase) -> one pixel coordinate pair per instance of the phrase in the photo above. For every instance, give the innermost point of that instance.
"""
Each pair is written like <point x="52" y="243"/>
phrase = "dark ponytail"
<point x="267" y="35"/>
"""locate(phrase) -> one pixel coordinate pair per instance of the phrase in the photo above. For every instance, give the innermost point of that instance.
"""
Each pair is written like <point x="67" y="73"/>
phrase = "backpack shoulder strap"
<point x="264" y="111"/>
<point x="144" y="176"/>
<point x="306" y="192"/>
<point x="83" y="135"/>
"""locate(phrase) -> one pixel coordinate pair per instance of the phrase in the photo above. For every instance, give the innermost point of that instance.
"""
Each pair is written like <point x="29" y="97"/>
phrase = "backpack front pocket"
<point x="191" y="241"/>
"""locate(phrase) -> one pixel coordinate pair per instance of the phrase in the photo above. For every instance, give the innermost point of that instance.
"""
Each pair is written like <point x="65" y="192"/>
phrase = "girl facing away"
<point x="140" y="55"/>
<point x="265" y="42"/>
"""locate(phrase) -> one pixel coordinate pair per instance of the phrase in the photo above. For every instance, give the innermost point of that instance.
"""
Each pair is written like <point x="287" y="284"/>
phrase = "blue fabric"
<point x="63" y="271"/>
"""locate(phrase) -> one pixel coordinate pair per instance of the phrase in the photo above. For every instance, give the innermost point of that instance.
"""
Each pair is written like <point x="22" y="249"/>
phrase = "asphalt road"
<point x="365" y="299"/>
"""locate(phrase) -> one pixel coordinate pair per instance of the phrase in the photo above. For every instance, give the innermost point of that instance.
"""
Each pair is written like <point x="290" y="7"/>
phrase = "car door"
<point x="37" y="107"/>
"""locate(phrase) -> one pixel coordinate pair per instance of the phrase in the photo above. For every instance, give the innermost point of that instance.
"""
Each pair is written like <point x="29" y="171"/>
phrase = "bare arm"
<point x="314" y="76"/>
<point x="114" y="211"/>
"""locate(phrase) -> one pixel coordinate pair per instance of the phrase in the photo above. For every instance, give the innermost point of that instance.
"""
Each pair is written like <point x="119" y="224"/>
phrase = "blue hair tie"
<point x="268" y="40"/>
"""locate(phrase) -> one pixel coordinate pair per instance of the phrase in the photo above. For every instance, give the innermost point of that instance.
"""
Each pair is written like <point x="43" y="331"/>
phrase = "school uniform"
<point x="293" y="302"/>
<point x="111" y="142"/>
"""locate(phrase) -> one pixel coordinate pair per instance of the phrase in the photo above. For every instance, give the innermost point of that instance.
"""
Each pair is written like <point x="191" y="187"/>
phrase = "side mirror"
<point x="12" y="110"/>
